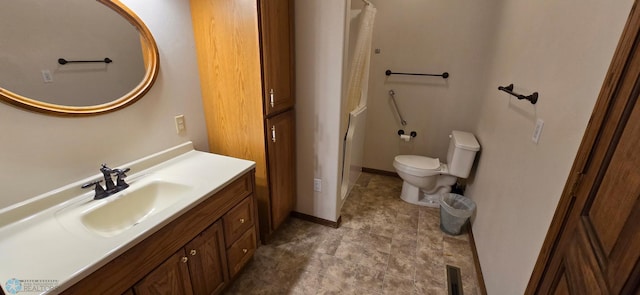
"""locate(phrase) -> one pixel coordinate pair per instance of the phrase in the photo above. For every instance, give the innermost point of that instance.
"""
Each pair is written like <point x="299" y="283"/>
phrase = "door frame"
<point x="629" y="43"/>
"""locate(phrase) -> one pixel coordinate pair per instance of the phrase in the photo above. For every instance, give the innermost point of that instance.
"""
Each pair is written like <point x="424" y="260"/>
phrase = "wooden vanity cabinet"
<point x="245" y="59"/>
<point x="197" y="253"/>
<point x="199" y="268"/>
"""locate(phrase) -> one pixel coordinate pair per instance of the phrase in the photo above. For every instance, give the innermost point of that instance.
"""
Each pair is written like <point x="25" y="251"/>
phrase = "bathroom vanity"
<point x="195" y="254"/>
<point x="186" y="225"/>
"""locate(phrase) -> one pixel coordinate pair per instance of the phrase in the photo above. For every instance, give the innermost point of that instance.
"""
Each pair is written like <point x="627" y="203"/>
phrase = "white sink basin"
<point x="116" y="214"/>
<point x="132" y="207"/>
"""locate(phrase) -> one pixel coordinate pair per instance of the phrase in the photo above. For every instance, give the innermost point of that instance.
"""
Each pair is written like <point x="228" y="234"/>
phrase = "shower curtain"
<point x="356" y="101"/>
<point x="359" y="63"/>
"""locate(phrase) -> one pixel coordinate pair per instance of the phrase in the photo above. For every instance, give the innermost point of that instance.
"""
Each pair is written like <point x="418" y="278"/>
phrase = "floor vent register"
<point x="454" y="280"/>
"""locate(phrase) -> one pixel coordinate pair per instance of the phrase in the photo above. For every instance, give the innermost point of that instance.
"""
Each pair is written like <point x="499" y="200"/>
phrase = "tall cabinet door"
<point x="277" y="50"/>
<point x="281" y="162"/>
<point x="207" y="261"/>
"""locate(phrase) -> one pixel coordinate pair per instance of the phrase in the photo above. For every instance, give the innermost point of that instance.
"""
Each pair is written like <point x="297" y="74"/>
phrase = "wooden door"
<point x="276" y="19"/>
<point x="171" y="277"/>
<point x="208" y="261"/>
<point x="281" y="161"/>
<point x="593" y="245"/>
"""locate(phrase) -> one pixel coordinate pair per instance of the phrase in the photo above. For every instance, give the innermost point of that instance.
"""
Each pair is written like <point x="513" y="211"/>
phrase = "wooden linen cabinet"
<point x="245" y="58"/>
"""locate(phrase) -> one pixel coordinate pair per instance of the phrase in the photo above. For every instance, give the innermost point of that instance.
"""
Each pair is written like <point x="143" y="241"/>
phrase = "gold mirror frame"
<point x="150" y="56"/>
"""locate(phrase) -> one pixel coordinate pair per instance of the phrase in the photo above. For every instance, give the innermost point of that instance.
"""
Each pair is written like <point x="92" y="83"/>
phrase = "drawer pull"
<point x="184" y="259"/>
<point x="242" y="220"/>
<point x="245" y="250"/>
<point x="193" y="252"/>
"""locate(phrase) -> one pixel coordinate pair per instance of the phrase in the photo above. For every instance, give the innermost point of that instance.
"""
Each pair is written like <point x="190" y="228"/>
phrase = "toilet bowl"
<point x="425" y="178"/>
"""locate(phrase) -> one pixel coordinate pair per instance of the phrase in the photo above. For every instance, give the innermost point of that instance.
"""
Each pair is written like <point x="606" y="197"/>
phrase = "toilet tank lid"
<point x="465" y="140"/>
<point x="418" y="162"/>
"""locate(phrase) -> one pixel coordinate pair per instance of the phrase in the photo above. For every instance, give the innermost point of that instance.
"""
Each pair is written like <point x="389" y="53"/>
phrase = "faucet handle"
<point x="99" y="191"/>
<point x="97" y="183"/>
<point x="121" y="173"/>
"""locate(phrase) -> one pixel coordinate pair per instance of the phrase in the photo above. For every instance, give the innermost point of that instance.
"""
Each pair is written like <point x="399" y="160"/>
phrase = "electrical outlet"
<point x="46" y="76"/>
<point x="317" y="185"/>
<point x="536" y="132"/>
<point x="179" y="123"/>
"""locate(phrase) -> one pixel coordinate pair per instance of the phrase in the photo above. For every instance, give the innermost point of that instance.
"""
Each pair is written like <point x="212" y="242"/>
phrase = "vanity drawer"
<point x="237" y="190"/>
<point x="241" y="251"/>
<point x="238" y="220"/>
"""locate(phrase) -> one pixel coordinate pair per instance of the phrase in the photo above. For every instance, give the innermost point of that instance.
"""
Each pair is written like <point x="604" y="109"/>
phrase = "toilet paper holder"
<point x="413" y="133"/>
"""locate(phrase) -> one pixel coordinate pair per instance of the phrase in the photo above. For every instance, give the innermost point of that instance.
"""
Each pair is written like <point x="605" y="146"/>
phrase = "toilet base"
<point x="414" y="195"/>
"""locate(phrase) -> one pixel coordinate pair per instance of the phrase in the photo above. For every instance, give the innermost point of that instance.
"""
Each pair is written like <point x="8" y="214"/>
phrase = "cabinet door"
<point x="277" y="52"/>
<point x="281" y="161"/>
<point x="171" y="277"/>
<point x="207" y="261"/>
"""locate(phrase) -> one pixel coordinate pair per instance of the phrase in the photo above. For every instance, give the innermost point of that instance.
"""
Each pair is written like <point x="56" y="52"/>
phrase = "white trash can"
<point x="455" y="210"/>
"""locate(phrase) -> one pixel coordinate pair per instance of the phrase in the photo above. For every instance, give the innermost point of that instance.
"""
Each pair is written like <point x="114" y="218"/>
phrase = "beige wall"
<point x="427" y="37"/>
<point x="319" y="36"/>
<point x="561" y="49"/>
<point x="39" y="153"/>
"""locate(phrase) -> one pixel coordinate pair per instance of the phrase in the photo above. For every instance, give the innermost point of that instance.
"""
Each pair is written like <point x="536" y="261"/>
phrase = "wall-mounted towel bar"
<point x="533" y="98"/>
<point x="443" y="75"/>
<point x="63" y="61"/>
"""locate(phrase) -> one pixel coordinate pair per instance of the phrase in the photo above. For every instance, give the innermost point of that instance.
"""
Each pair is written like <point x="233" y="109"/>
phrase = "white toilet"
<point x="425" y="179"/>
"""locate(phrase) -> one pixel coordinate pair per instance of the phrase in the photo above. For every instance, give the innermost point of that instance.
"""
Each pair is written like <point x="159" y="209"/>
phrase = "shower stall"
<point x="355" y="94"/>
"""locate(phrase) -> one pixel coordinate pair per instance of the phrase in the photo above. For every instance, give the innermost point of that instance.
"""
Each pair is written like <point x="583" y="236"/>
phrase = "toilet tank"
<point x="463" y="147"/>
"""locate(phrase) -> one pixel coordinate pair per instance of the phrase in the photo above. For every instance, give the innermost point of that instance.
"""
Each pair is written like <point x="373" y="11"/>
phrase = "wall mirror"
<point x="74" y="57"/>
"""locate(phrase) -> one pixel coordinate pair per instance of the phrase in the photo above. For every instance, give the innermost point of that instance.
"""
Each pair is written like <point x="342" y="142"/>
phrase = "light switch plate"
<point x="317" y="185"/>
<point x="179" y="123"/>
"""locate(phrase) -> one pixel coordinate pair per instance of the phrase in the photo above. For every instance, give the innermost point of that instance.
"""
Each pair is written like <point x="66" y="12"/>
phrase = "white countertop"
<point x="35" y="245"/>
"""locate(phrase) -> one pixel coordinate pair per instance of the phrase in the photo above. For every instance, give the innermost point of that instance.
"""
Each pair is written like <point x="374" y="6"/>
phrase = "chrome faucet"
<point x="111" y="188"/>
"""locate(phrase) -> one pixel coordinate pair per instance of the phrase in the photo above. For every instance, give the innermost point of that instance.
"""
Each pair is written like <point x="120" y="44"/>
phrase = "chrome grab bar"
<point x="393" y="99"/>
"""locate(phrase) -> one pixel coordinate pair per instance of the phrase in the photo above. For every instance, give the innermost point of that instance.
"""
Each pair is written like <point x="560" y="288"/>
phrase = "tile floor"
<point x="384" y="246"/>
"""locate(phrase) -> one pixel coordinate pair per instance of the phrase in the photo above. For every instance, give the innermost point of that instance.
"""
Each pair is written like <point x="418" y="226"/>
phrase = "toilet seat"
<point x="418" y="165"/>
